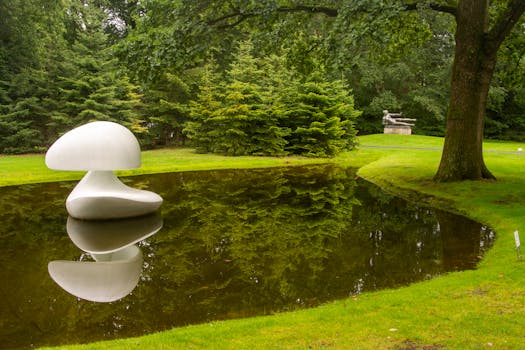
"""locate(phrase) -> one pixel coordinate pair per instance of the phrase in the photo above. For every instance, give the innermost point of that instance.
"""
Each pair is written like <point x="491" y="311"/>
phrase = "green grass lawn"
<point x="16" y="170"/>
<point x="479" y="309"/>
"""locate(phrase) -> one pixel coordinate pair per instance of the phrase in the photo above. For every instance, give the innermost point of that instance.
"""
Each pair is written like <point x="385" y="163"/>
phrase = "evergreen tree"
<point x="321" y="119"/>
<point x="167" y="109"/>
<point x="22" y="123"/>
<point x="201" y="129"/>
<point x="243" y="108"/>
<point x="266" y="110"/>
<point x="248" y="124"/>
<point x="65" y="75"/>
<point x="277" y="83"/>
<point x="30" y="46"/>
<point x="238" y="120"/>
<point x="92" y="88"/>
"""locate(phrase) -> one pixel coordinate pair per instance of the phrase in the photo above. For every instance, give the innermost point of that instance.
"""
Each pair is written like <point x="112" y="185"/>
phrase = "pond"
<point x="233" y="243"/>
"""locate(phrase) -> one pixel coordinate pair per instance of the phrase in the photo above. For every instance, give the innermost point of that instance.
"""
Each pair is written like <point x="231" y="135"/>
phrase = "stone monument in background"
<point x="394" y="124"/>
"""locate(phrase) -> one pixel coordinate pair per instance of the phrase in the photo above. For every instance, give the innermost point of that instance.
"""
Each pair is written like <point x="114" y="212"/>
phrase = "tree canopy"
<point x="341" y="32"/>
<point x="176" y="73"/>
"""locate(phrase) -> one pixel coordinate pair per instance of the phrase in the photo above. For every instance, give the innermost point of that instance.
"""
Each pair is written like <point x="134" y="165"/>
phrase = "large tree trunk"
<point x="472" y="71"/>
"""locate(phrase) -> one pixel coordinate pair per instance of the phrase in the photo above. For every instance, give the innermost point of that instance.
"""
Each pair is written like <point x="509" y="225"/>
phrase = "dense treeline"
<point x="264" y="109"/>
<point x="58" y="71"/>
<point x="294" y="89"/>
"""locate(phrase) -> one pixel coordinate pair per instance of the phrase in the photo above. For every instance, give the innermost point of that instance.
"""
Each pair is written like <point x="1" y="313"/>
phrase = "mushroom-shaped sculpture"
<point x="108" y="236"/>
<point x="111" y="277"/>
<point x="101" y="147"/>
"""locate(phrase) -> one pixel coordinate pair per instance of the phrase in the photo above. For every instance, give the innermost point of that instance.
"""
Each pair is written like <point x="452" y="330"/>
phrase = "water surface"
<point x="234" y="243"/>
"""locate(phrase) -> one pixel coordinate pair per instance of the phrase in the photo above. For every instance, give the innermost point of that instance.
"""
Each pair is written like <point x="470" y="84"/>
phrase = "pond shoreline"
<point x="221" y="252"/>
<point x="467" y="310"/>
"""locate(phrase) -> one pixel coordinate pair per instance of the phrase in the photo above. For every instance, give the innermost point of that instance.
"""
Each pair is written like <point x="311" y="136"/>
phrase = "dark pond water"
<point x="233" y="244"/>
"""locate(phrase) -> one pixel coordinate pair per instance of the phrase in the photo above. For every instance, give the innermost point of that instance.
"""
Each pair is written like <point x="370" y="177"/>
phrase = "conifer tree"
<point x="91" y="87"/>
<point x="236" y="121"/>
<point x="321" y="119"/>
<point x="201" y="128"/>
<point x="245" y="124"/>
<point x="30" y="54"/>
<point x="23" y="122"/>
<point x="167" y="109"/>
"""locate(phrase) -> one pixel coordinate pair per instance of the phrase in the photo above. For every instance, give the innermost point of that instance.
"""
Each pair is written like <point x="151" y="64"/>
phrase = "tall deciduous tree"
<point x="481" y="27"/>
<point x="477" y="46"/>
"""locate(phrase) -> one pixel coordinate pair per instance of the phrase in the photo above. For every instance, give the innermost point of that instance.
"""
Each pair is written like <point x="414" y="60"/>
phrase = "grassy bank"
<point x="477" y="309"/>
<point x="15" y="170"/>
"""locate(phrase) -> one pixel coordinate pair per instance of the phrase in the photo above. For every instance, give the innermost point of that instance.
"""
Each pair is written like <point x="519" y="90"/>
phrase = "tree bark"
<point x="472" y="71"/>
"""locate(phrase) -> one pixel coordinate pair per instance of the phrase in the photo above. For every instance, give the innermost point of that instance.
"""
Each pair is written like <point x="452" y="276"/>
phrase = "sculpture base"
<point x="398" y="129"/>
<point x="100" y="195"/>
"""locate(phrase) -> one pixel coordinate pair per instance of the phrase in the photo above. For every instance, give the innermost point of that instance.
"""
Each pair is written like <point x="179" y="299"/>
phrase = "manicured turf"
<point x="479" y="309"/>
<point x="32" y="169"/>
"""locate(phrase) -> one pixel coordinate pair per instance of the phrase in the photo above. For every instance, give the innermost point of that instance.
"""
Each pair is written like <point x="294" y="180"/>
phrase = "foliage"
<point x="506" y="104"/>
<point x="166" y="109"/>
<point x="416" y="85"/>
<point x="28" y="55"/>
<point x="243" y="124"/>
<point x="320" y="116"/>
<point x="143" y="64"/>
<point x="265" y="110"/>
<point x="200" y="128"/>
<point x="91" y="88"/>
<point x="381" y="30"/>
<point x="67" y="78"/>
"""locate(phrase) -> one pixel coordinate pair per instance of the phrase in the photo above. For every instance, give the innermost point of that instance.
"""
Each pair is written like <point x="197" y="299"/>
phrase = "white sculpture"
<point x="110" y="277"/>
<point x="103" y="237"/>
<point x="101" y="147"/>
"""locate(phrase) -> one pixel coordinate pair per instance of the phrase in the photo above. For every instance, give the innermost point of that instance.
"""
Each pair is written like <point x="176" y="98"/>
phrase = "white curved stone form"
<point x="101" y="195"/>
<point x="111" y="277"/>
<point x="101" y="147"/>
<point x="95" y="146"/>
<point x="107" y="236"/>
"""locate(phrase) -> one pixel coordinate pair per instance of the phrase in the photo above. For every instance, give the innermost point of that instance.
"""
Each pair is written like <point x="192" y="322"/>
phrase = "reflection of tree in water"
<point x="32" y="217"/>
<point x="259" y="239"/>
<point x="234" y="243"/>
<point x="464" y="242"/>
<point x="409" y="243"/>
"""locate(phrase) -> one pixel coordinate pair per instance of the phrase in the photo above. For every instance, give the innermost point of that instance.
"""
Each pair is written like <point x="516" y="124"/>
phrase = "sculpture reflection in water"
<point x="117" y="260"/>
<point x="100" y="148"/>
<point x="111" y="277"/>
<point x="109" y="236"/>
